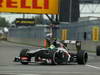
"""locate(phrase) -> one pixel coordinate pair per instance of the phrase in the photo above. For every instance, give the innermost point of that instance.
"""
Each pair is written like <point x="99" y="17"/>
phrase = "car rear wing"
<point x="77" y="43"/>
<point x="69" y="41"/>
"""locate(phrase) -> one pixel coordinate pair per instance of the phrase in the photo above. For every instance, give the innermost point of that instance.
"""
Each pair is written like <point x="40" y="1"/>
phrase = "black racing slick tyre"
<point x="82" y="57"/>
<point x="23" y="53"/>
<point x="98" y="50"/>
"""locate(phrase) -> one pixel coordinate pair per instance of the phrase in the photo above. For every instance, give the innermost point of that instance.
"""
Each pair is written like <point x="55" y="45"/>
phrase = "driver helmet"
<point x="49" y="35"/>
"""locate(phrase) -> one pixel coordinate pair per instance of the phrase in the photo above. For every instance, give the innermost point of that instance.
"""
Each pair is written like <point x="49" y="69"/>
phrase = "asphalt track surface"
<point x="7" y="67"/>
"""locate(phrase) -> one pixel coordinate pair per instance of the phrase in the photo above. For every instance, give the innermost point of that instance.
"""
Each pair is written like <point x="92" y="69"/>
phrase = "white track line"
<point x="17" y="74"/>
<point x="27" y="74"/>
<point x="93" y="67"/>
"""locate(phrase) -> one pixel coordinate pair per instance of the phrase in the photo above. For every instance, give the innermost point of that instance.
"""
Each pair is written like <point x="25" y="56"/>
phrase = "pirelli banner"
<point x="95" y="33"/>
<point x="30" y="6"/>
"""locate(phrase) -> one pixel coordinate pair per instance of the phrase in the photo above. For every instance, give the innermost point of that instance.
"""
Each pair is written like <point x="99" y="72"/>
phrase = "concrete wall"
<point x="90" y="45"/>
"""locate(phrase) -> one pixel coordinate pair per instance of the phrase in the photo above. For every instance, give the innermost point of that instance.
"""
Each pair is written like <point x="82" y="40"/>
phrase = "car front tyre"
<point x="23" y="53"/>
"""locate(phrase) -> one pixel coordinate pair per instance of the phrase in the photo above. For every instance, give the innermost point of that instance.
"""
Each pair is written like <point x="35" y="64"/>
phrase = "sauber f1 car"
<point x="55" y="54"/>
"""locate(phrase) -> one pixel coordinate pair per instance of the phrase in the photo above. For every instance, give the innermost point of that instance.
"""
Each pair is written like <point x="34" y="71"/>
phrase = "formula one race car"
<point x="55" y="54"/>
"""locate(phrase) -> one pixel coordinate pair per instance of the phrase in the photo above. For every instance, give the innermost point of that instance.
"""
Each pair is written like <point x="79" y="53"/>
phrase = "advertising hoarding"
<point x="30" y="6"/>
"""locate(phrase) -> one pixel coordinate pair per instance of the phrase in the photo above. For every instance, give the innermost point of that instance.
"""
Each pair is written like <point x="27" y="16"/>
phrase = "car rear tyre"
<point x="98" y="51"/>
<point x="23" y="53"/>
<point x="82" y="57"/>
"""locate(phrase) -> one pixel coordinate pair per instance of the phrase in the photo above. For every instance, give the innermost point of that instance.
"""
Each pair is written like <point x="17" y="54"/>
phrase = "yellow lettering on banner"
<point x="17" y="21"/>
<point x="30" y="6"/>
<point x="95" y="33"/>
<point x="27" y="22"/>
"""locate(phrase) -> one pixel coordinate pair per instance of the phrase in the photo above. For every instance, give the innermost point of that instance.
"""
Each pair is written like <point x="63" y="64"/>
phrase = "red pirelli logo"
<point x="30" y="6"/>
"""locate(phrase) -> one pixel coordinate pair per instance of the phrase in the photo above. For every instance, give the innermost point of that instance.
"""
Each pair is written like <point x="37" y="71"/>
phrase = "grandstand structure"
<point x="90" y="8"/>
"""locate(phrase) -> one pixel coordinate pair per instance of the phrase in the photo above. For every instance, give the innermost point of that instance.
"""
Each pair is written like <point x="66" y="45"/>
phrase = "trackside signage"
<point x="30" y="6"/>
